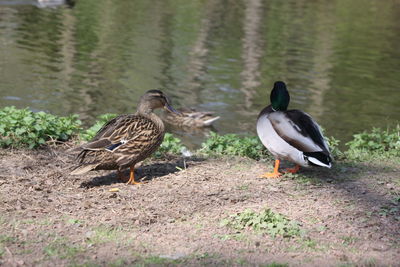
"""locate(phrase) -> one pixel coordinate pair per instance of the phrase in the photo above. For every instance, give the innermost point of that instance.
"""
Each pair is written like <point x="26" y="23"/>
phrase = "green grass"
<point x="349" y="240"/>
<point x="62" y="248"/>
<point x="104" y="234"/>
<point x="275" y="264"/>
<point x="265" y="221"/>
<point x="4" y="241"/>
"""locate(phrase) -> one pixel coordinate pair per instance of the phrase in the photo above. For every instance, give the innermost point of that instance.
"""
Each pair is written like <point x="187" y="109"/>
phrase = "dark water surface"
<point x="339" y="58"/>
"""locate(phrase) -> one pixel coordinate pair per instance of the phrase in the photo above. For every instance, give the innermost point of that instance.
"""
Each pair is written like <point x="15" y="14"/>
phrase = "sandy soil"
<point x="350" y="213"/>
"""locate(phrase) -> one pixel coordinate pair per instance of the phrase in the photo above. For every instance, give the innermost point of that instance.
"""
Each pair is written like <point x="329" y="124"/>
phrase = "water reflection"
<point x="341" y="63"/>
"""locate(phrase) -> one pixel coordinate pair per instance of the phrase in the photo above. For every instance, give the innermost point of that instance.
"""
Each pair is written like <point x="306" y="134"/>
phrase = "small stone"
<point x="89" y="234"/>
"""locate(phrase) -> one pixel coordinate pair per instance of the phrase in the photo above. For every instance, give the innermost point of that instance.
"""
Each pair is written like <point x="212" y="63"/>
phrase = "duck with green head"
<point x="291" y="134"/>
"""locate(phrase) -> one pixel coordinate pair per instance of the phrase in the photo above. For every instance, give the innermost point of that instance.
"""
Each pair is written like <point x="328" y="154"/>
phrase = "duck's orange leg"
<point x="131" y="179"/>
<point x="275" y="173"/>
<point x="293" y="170"/>
<point x="132" y="176"/>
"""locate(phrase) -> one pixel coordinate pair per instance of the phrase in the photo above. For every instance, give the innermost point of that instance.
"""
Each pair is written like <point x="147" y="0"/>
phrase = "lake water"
<point x="339" y="58"/>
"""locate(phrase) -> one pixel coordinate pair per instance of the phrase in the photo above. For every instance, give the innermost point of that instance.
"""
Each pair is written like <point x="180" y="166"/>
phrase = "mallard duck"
<point x="127" y="139"/>
<point x="189" y="117"/>
<point x="291" y="134"/>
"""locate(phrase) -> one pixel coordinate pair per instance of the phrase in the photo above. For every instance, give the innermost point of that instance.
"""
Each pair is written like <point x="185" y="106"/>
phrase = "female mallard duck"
<point x="189" y="117"/>
<point x="127" y="139"/>
<point x="291" y="134"/>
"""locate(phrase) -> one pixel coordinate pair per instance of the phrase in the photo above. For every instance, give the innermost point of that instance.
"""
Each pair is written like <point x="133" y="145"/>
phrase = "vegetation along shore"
<point x="203" y="207"/>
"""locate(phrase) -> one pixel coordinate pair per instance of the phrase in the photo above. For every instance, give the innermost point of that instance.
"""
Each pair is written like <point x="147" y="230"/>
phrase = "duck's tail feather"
<point x="319" y="159"/>
<point x="83" y="169"/>
<point x="210" y="121"/>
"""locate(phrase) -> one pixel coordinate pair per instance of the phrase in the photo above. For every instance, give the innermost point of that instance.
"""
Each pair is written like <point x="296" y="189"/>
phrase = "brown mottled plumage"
<point x="189" y="117"/>
<point x="127" y="139"/>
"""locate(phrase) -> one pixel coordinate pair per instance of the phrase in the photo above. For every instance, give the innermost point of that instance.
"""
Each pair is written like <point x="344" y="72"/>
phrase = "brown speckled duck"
<point x="127" y="139"/>
<point x="189" y="117"/>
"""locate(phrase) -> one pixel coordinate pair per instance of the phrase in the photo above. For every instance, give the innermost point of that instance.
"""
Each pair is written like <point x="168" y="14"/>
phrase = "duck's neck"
<point x="147" y="112"/>
<point x="279" y="97"/>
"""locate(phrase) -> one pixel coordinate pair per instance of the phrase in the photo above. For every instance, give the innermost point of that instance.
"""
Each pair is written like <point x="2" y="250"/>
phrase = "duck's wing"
<point x="299" y="130"/>
<point x="108" y="128"/>
<point x="121" y="131"/>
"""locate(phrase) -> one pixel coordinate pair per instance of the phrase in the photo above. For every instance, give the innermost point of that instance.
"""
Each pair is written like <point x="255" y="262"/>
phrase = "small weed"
<point x="308" y="244"/>
<point x="242" y="262"/>
<point x="275" y="264"/>
<point x="85" y="264"/>
<point x="62" y="248"/>
<point x="267" y="221"/>
<point x="158" y="260"/>
<point x="223" y="237"/>
<point x="234" y="145"/>
<point x="7" y="239"/>
<point x="198" y="226"/>
<point x="345" y="265"/>
<point x="117" y="263"/>
<point x="74" y="221"/>
<point x="104" y="234"/>
<point x="386" y="211"/>
<point x="243" y="187"/>
<point x="370" y="262"/>
<point x="303" y="179"/>
<point x="45" y="222"/>
<point x="349" y="240"/>
<point x="236" y="236"/>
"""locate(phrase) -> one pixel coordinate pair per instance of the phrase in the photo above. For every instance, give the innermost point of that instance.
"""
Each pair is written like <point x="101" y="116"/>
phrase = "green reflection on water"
<point x="339" y="58"/>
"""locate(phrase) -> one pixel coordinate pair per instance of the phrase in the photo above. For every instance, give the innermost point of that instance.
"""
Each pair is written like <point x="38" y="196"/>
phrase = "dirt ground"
<point x="350" y="214"/>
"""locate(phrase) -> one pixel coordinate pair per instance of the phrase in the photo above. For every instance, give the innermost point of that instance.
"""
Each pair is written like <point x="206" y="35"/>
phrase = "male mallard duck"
<point x="189" y="117"/>
<point x="291" y="134"/>
<point x="127" y="139"/>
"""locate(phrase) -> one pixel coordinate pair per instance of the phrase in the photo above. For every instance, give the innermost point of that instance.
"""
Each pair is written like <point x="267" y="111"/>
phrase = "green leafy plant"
<point x="170" y="145"/>
<point x="24" y="128"/>
<point x="234" y="145"/>
<point x="266" y="221"/>
<point x="333" y="145"/>
<point x="377" y="140"/>
<point x="102" y="119"/>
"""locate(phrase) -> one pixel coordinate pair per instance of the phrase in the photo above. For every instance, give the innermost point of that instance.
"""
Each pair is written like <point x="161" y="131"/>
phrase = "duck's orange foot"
<point x="271" y="175"/>
<point x="131" y="179"/>
<point x="293" y="170"/>
<point x="275" y="173"/>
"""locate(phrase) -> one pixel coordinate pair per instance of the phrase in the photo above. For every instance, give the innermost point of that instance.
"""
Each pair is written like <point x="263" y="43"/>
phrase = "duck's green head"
<point x="279" y="96"/>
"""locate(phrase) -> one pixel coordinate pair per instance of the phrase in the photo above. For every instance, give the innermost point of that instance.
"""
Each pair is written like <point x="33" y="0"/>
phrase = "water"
<point x="340" y="59"/>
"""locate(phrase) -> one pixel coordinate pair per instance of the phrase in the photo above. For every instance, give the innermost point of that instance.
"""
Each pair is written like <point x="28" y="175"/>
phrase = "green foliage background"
<point x="21" y="128"/>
